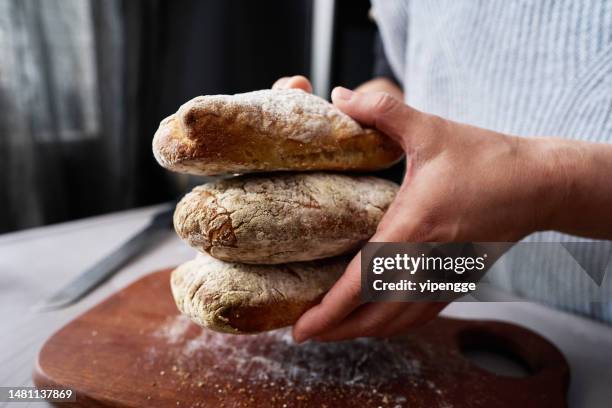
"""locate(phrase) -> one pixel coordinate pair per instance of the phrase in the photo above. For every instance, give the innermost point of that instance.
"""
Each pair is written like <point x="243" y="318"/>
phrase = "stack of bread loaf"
<point x="270" y="245"/>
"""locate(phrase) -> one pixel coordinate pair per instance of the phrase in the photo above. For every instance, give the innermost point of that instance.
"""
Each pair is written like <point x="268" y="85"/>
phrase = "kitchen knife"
<point x="110" y="264"/>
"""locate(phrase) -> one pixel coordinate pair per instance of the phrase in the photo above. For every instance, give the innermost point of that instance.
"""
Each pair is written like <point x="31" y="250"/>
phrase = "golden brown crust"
<point x="238" y="298"/>
<point x="268" y="130"/>
<point x="283" y="218"/>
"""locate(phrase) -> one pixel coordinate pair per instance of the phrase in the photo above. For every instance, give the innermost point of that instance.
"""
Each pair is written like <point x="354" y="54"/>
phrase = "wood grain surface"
<point x="135" y="350"/>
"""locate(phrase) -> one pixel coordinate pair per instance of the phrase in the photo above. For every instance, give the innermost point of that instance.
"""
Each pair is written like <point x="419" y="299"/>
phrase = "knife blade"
<point x="110" y="264"/>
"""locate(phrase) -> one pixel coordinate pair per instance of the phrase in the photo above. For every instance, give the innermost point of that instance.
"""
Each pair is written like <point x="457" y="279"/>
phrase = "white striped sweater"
<point x="523" y="67"/>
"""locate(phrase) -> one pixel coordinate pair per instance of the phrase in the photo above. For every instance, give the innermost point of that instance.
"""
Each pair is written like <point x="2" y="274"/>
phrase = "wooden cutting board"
<point x="135" y="350"/>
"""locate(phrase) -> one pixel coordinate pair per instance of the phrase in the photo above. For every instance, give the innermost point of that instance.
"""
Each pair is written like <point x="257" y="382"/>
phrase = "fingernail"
<point x="342" y="93"/>
<point x="282" y="83"/>
<point x="299" y="339"/>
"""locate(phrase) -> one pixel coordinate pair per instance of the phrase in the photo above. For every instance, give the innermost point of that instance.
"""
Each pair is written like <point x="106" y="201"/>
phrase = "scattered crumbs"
<point x="174" y="329"/>
<point x="291" y="374"/>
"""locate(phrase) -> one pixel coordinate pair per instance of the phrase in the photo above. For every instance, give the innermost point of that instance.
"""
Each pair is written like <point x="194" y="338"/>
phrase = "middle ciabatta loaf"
<point x="283" y="218"/>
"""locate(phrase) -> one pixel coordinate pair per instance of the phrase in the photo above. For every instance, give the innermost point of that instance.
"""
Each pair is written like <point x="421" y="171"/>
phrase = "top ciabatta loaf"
<point x="268" y="130"/>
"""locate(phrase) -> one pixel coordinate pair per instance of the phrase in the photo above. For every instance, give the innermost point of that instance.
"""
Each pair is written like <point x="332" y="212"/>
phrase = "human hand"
<point x="293" y="82"/>
<point x="462" y="184"/>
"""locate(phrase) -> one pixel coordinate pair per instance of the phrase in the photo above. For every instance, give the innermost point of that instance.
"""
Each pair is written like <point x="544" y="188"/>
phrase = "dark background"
<point x="150" y="56"/>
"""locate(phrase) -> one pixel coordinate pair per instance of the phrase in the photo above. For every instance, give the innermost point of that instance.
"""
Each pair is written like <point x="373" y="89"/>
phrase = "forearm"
<point x="381" y="84"/>
<point x="582" y="177"/>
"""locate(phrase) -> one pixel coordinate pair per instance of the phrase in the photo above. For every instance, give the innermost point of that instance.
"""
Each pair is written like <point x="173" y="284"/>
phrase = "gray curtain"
<point x="62" y="110"/>
<point x="84" y="84"/>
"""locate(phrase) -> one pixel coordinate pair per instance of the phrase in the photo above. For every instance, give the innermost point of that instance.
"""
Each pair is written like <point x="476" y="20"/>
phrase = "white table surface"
<point x="35" y="263"/>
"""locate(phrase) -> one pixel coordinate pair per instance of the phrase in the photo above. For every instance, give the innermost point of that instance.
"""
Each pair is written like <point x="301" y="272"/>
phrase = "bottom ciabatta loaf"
<point x="240" y="298"/>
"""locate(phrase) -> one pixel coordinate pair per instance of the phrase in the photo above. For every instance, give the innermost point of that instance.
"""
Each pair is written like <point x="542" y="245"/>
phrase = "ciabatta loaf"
<point x="284" y="217"/>
<point x="268" y="130"/>
<point x="239" y="298"/>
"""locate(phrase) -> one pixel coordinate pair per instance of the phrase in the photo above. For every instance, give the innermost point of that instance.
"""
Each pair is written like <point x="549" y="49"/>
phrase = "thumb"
<point x="379" y="110"/>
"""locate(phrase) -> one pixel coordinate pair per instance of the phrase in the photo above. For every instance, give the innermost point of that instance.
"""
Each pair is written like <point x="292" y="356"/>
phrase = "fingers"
<point x="366" y="321"/>
<point x="382" y="320"/>
<point x="327" y="318"/>
<point x="339" y="315"/>
<point x="376" y="109"/>
<point x="338" y="303"/>
<point x="413" y="316"/>
<point x="280" y="83"/>
<point x="293" y="82"/>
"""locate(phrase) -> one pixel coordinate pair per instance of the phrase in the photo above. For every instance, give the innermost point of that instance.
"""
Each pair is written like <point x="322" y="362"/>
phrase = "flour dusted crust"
<point x="283" y="218"/>
<point x="267" y="130"/>
<point x="238" y="298"/>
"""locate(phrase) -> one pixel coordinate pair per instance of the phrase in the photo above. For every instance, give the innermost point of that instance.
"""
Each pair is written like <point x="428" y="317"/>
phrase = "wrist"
<point x="551" y="166"/>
